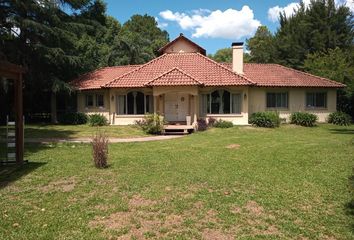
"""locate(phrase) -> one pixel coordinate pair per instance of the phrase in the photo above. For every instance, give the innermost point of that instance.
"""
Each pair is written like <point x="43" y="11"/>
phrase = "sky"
<point x="213" y="24"/>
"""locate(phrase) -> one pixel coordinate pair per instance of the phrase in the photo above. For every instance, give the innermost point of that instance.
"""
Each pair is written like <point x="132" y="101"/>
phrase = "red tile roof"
<point x="98" y="78"/>
<point x="198" y="66"/>
<point x="174" y="77"/>
<point x="274" y="75"/>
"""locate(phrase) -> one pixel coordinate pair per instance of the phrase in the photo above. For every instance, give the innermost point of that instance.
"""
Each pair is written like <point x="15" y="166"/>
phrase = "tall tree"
<point x="320" y="26"/>
<point x="261" y="46"/>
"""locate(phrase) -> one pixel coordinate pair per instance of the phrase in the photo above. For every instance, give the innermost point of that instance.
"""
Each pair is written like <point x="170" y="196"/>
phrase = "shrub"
<point x="265" y="119"/>
<point x="151" y="124"/>
<point x="202" y="124"/>
<point x="339" y="118"/>
<point x="303" y="119"/>
<point x="73" y="118"/>
<point x="211" y="121"/>
<point x="223" y="124"/>
<point x="100" y="150"/>
<point x="97" y="120"/>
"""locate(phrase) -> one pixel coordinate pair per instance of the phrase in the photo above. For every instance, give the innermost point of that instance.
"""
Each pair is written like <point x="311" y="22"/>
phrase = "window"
<point x="89" y="100"/>
<point x="316" y="100"/>
<point x="221" y="102"/>
<point x="99" y="100"/>
<point x="277" y="100"/>
<point x="134" y="103"/>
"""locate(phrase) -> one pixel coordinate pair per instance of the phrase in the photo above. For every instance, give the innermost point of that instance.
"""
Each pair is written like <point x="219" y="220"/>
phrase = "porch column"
<point x="156" y="98"/>
<point x="19" y="119"/>
<point x="195" y="97"/>
<point x="134" y="96"/>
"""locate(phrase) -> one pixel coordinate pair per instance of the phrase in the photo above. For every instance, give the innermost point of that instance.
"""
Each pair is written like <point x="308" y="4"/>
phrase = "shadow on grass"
<point x="349" y="207"/>
<point x="41" y="132"/>
<point x="342" y="131"/>
<point x="12" y="173"/>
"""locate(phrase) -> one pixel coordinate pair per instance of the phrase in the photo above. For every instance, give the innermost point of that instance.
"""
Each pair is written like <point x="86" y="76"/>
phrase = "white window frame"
<point x="208" y="94"/>
<point x="126" y="103"/>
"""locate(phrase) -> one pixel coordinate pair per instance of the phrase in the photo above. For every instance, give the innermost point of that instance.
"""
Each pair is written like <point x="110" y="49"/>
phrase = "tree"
<point x="338" y="65"/>
<point x="261" y="46"/>
<point x="138" y="41"/>
<point x="315" y="28"/>
<point x="224" y="55"/>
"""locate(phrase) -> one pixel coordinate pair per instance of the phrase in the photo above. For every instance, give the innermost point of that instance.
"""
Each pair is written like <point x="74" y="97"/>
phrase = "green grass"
<point x="75" y="131"/>
<point x="286" y="183"/>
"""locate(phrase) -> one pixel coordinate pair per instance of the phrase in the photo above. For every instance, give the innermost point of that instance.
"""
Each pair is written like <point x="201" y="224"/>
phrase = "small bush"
<point x="339" y="118"/>
<point x="100" y="150"/>
<point x="211" y="121"/>
<point x="223" y="124"/>
<point x="73" y="118"/>
<point x="151" y="124"/>
<point x="303" y="119"/>
<point x="202" y="124"/>
<point x="265" y="119"/>
<point x="97" y="120"/>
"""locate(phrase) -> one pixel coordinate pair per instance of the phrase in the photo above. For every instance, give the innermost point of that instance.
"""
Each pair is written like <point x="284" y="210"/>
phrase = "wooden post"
<point x="19" y="119"/>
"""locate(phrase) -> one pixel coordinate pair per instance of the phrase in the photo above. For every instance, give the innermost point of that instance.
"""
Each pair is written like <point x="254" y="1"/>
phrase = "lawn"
<point x="75" y="131"/>
<point x="243" y="183"/>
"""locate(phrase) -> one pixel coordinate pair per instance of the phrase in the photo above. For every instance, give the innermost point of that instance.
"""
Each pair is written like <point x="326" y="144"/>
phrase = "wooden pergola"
<point x="14" y="72"/>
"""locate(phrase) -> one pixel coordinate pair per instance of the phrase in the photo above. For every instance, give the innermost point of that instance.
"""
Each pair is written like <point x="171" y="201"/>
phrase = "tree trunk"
<point x="53" y="108"/>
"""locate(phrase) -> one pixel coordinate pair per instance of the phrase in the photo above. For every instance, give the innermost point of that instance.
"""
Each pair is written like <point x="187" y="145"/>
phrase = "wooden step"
<point x="11" y="155"/>
<point x="11" y="124"/>
<point x="11" y="144"/>
<point x="11" y="134"/>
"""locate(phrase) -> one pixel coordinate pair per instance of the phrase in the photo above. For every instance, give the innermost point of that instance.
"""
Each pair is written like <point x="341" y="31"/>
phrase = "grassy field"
<point x="242" y="183"/>
<point x="75" y="131"/>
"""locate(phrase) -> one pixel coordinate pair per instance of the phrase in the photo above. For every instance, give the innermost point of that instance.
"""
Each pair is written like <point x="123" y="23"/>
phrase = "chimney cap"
<point x="181" y="34"/>
<point x="237" y="44"/>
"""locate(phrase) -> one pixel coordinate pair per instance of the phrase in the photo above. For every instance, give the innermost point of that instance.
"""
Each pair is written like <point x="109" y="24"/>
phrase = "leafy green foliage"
<point x="224" y="55"/>
<point x="262" y="46"/>
<point x="303" y="119"/>
<point x="339" y="118"/>
<point x="223" y="124"/>
<point x="151" y="124"/>
<point x="73" y="118"/>
<point x="97" y="120"/>
<point x="265" y="119"/>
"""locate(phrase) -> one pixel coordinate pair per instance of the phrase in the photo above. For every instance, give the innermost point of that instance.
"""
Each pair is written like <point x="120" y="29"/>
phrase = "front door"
<point x="176" y="107"/>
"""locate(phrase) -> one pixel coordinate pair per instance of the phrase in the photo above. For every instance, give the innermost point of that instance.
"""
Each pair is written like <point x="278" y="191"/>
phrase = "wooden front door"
<point x="176" y="107"/>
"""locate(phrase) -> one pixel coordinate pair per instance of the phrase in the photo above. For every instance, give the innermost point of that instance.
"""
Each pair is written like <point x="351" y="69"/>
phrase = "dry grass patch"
<point x="233" y="146"/>
<point x="62" y="185"/>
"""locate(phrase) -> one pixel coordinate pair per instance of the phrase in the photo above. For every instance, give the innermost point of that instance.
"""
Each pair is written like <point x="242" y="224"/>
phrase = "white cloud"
<point x="161" y="24"/>
<point x="229" y="24"/>
<point x="273" y="12"/>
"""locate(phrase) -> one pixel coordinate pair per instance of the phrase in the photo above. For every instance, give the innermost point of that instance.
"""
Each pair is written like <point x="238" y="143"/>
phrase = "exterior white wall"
<point x="181" y="46"/>
<point x="296" y="101"/>
<point x="81" y="99"/>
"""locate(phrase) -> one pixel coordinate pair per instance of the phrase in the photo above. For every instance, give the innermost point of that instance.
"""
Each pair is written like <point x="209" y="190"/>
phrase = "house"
<point x="183" y="84"/>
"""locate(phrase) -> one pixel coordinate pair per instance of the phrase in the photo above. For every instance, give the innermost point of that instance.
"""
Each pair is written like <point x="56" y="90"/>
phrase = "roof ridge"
<point x="134" y="70"/>
<point x="309" y="74"/>
<point x="220" y="65"/>
<point x="169" y="71"/>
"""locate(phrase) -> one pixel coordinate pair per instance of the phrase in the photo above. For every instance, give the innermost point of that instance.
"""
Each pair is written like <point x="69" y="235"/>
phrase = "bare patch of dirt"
<point x="233" y="146"/>
<point x="215" y="234"/>
<point x="235" y="209"/>
<point x="63" y="185"/>
<point x="138" y="201"/>
<point x="253" y="208"/>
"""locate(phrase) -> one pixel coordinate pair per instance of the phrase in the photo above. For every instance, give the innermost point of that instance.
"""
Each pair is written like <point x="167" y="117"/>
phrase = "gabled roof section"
<point x="174" y="77"/>
<point x="196" y="65"/>
<point x="180" y="39"/>
<point x="97" y="78"/>
<point x="275" y="75"/>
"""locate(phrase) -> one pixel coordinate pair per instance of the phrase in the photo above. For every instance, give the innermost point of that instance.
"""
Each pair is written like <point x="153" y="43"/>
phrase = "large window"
<point x="88" y="100"/>
<point x="277" y="100"/>
<point x="221" y="102"/>
<point x="134" y="103"/>
<point x="316" y="100"/>
<point x="99" y="100"/>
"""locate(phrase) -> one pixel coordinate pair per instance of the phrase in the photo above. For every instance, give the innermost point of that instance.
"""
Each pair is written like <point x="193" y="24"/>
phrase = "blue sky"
<point x="213" y="24"/>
